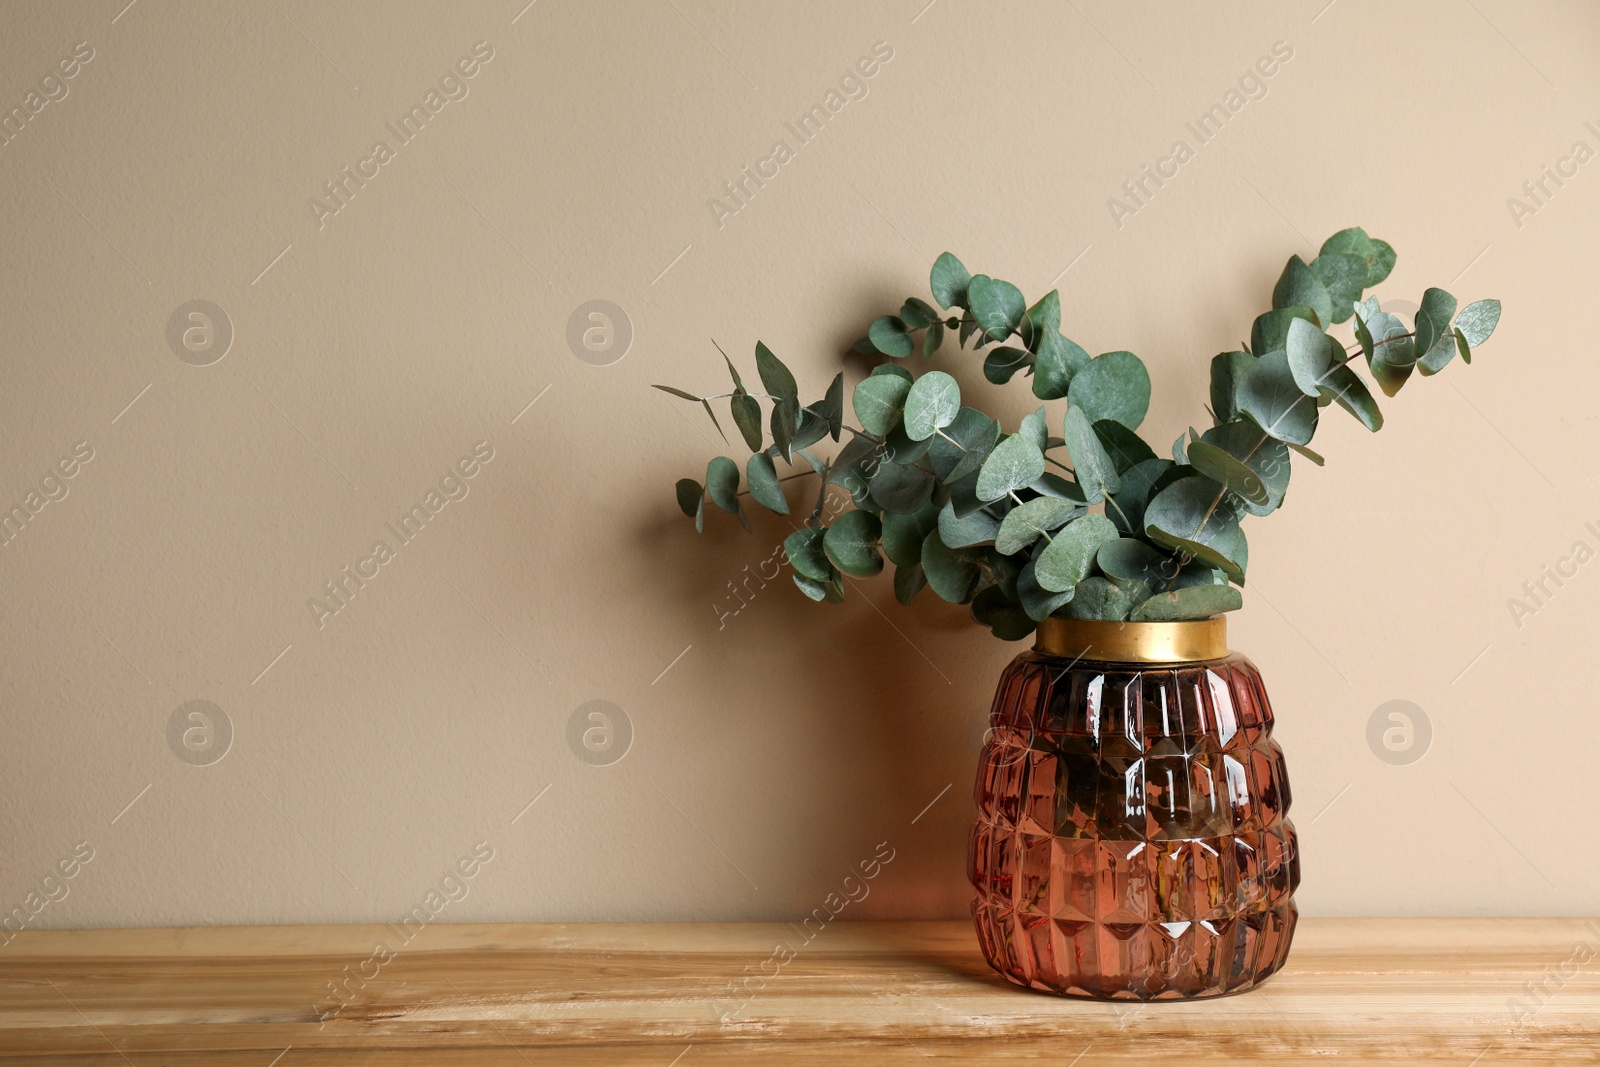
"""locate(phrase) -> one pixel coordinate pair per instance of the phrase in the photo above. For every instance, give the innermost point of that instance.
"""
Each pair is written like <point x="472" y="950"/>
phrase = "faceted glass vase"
<point x="1132" y="840"/>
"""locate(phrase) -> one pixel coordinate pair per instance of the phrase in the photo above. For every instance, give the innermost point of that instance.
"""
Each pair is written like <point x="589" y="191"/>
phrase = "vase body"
<point x="1132" y="839"/>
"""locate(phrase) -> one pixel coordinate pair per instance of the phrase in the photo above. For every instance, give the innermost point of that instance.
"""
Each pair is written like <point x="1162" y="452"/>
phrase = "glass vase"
<point x="1132" y="839"/>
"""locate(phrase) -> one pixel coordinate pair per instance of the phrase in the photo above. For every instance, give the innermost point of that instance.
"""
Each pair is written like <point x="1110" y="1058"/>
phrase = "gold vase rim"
<point x="1190" y="641"/>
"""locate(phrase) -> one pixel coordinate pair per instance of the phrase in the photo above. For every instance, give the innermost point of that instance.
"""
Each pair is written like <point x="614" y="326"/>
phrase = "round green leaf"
<point x="764" y="487"/>
<point x="1353" y="241"/>
<point x="803" y="549"/>
<point x="1381" y="263"/>
<point x="690" y="496"/>
<point x="908" y="582"/>
<point x="722" y="483"/>
<point x="1478" y="320"/>
<point x="1299" y="286"/>
<point x="1024" y="524"/>
<point x="812" y="588"/>
<point x="1114" y="385"/>
<point x="1036" y="600"/>
<point x="888" y="334"/>
<point x="1015" y="463"/>
<point x="1344" y="276"/>
<point x="1002" y="363"/>
<point x="1195" y="515"/>
<point x="851" y="544"/>
<point x="1270" y="396"/>
<point x="963" y="531"/>
<point x="1100" y="598"/>
<point x="963" y="446"/>
<point x="1263" y="459"/>
<point x="1193" y="602"/>
<point x="1066" y="559"/>
<point x="1004" y="616"/>
<point x="917" y="313"/>
<point x="931" y="405"/>
<point x="900" y="488"/>
<point x="950" y="575"/>
<point x="878" y="400"/>
<point x="903" y="534"/>
<point x="997" y="305"/>
<point x="1132" y="560"/>
<point x="949" y="281"/>
<point x="1095" y="471"/>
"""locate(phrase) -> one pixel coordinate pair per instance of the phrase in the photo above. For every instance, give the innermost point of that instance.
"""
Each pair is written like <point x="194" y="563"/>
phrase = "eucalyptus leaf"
<point x="949" y="281"/>
<point x="812" y="588"/>
<point x="963" y="531"/>
<point x="918" y="313"/>
<point x="878" y="401"/>
<point x="1011" y="465"/>
<point x="1026" y="523"/>
<point x="931" y="405"/>
<point x="1434" y="340"/>
<point x="1065" y="561"/>
<point x="722" y="484"/>
<point x="1002" y="363"/>
<point x="1125" y="447"/>
<point x="901" y="489"/>
<point x="1299" y="286"/>
<point x="1004" y="616"/>
<point x="690" y="496"/>
<point x="1477" y="321"/>
<point x="775" y="377"/>
<point x="1042" y="319"/>
<point x="1036" y="600"/>
<point x="1116" y="386"/>
<point x="1344" y="276"/>
<point x="1353" y="241"/>
<point x="1255" y="464"/>
<point x="931" y="340"/>
<point x="1094" y="469"/>
<point x="1195" y="515"/>
<point x="764" y="487"/>
<point x="1227" y="370"/>
<point x="1194" y="602"/>
<point x="894" y="370"/>
<point x="1056" y="360"/>
<point x="997" y="305"/>
<point x="1381" y="262"/>
<point x="1270" y="396"/>
<point x="1391" y="353"/>
<point x="1101" y="599"/>
<point x="900" y="448"/>
<point x="1271" y="330"/>
<point x="960" y="448"/>
<point x="1318" y="364"/>
<point x="747" y="416"/>
<point x="903" y="534"/>
<point x="803" y="550"/>
<point x="831" y="410"/>
<point x="1034" y="428"/>
<point x="890" y="336"/>
<point x="1138" y="485"/>
<point x="1130" y="559"/>
<point x="851" y="544"/>
<point x="951" y="575"/>
<point x="908" y="582"/>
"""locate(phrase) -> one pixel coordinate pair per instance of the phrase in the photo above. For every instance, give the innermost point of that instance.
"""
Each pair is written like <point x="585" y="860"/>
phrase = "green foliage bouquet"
<point x="1115" y="531"/>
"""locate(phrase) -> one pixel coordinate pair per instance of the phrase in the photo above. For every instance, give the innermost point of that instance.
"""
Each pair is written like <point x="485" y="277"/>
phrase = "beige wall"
<point x="374" y="748"/>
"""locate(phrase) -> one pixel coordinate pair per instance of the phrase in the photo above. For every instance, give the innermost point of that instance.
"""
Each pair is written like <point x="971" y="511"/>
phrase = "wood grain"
<point x="1368" y="991"/>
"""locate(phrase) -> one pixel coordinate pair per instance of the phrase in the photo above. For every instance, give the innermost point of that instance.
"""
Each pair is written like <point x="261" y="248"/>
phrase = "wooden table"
<point x="1369" y="991"/>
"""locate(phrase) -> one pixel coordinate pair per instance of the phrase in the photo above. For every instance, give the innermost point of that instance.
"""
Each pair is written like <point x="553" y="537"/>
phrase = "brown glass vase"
<point x="1132" y="840"/>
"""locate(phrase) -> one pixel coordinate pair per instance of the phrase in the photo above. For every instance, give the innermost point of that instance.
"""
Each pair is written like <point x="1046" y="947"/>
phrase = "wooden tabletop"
<point x="1368" y="991"/>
